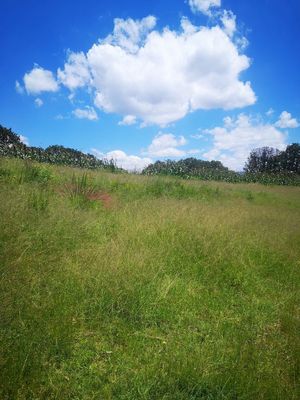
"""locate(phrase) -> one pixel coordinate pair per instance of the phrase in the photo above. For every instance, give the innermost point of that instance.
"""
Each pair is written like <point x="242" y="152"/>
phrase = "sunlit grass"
<point x="175" y="290"/>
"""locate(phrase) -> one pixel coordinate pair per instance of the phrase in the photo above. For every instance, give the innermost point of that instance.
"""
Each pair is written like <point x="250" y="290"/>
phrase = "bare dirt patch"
<point x="105" y="198"/>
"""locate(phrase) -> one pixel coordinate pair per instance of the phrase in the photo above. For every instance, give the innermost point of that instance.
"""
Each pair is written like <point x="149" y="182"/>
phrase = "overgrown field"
<point x="129" y="287"/>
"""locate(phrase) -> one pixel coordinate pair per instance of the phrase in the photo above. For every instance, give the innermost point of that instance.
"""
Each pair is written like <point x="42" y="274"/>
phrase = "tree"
<point x="290" y="158"/>
<point x="263" y="159"/>
<point x="8" y="137"/>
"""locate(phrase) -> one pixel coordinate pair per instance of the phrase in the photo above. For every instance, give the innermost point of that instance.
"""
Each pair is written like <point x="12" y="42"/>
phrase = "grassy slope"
<point x="178" y="290"/>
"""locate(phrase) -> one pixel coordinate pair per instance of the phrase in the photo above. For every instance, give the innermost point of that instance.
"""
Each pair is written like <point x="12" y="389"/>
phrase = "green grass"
<point x="171" y="290"/>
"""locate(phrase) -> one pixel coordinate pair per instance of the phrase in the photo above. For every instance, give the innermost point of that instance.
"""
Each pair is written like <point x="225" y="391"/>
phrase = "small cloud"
<point x="270" y="112"/>
<point x="197" y="136"/>
<point x="19" y="88"/>
<point x="40" y="80"/>
<point x="128" y="120"/>
<point x="229" y="23"/>
<point x="76" y="72"/>
<point x="166" y="145"/>
<point x="204" y="6"/>
<point x="24" y="140"/>
<point x="123" y="160"/>
<point x="286" y="121"/>
<point x="38" y="102"/>
<point x="86" y="113"/>
<point x="242" y="43"/>
<point x="228" y="122"/>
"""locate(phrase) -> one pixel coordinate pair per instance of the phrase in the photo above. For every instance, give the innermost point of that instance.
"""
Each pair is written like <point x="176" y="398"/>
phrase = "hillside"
<point x="118" y="286"/>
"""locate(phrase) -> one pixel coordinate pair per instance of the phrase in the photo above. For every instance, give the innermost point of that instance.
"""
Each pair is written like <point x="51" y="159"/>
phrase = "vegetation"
<point x="11" y="146"/>
<point x="256" y="169"/>
<point x="190" y="167"/>
<point x="118" y="286"/>
<point x="269" y="160"/>
<point x="265" y="165"/>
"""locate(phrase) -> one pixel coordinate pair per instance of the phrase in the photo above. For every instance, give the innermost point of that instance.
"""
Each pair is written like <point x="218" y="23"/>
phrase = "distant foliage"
<point x="270" y="160"/>
<point x="190" y="167"/>
<point x="262" y="167"/>
<point x="11" y="146"/>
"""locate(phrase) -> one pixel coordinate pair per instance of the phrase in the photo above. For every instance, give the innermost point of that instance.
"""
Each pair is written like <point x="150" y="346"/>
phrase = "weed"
<point x="39" y="200"/>
<point x="34" y="173"/>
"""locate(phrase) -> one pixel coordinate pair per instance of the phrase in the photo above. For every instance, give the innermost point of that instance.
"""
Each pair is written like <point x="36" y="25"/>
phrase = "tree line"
<point x="265" y="165"/>
<point x="270" y="160"/>
<point x="12" y="146"/>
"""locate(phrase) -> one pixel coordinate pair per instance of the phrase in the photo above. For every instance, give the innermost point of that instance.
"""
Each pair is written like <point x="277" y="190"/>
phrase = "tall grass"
<point x="179" y="290"/>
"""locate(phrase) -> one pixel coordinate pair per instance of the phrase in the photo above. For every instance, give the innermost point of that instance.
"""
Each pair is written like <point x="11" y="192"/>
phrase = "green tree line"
<point x="265" y="165"/>
<point x="270" y="160"/>
<point x="12" y="146"/>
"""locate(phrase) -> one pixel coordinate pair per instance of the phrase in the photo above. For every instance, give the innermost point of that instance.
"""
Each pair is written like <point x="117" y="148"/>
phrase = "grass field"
<point x="130" y="287"/>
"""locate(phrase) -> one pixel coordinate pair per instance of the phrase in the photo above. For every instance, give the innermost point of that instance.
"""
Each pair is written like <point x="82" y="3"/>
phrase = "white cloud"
<point x="38" y="102"/>
<point x="122" y="160"/>
<point x="157" y="76"/>
<point x="233" y="142"/>
<point x="85" y="113"/>
<point x="128" y="120"/>
<point x="286" y="121"/>
<point x="76" y="71"/>
<point x="197" y="136"/>
<point x="167" y="145"/>
<point x="204" y="6"/>
<point x="24" y="140"/>
<point x="19" y="88"/>
<point x="270" y="112"/>
<point x="130" y="34"/>
<point x="229" y="22"/>
<point x="40" y="80"/>
<point x="171" y="74"/>
<point x="187" y="27"/>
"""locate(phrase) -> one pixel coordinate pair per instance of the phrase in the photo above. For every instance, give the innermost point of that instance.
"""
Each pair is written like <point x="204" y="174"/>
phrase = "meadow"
<point x="118" y="286"/>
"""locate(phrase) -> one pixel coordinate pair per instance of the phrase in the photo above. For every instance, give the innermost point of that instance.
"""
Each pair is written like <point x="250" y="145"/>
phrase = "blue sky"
<point x="141" y="81"/>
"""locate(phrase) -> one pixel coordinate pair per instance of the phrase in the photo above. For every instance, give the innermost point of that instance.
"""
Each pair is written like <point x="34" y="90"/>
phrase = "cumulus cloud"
<point x="171" y="74"/>
<point x="204" y="6"/>
<point x="128" y="120"/>
<point x="166" y="145"/>
<point x="38" y="102"/>
<point x="85" y="113"/>
<point x="76" y="71"/>
<point x="157" y="76"/>
<point x="24" y="139"/>
<point x="229" y="22"/>
<point x="40" y="80"/>
<point x="129" y="34"/>
<point x="286" y="121"/>
<point x="233" y="142"/>
<point x="123" y="160"/>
